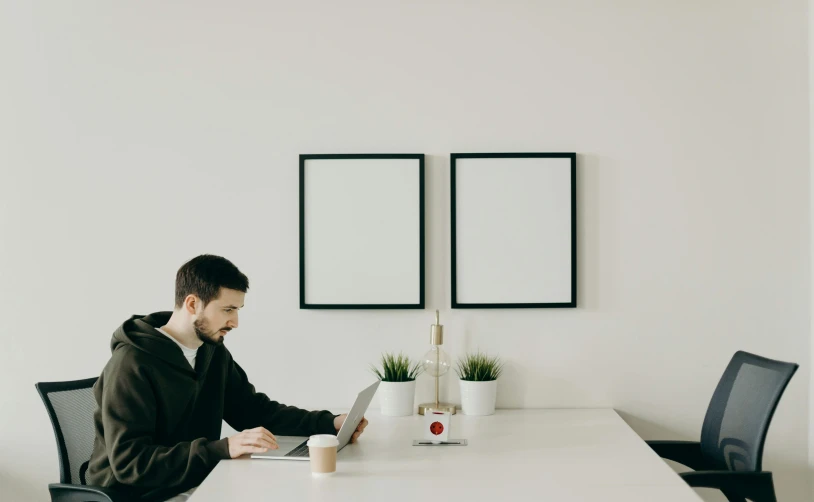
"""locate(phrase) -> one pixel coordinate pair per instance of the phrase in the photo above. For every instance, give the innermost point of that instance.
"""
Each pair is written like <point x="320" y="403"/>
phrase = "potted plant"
<point x="397" y="387"/>
<point x="478" y="373"/>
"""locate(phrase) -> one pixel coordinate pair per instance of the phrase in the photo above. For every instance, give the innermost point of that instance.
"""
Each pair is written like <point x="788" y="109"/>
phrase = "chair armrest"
<point x="684" y="452"/>
<point x="81" y="493"/>
<point x="757" y="486"/>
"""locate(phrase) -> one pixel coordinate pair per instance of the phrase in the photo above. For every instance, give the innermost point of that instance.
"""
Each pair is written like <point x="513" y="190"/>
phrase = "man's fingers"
<point x="264" y="431"/>
<point x="259" y="442"/>
<point x="362" y="425"/>
<point x="261" y="430"/>
<point x="265" y="437"/>
<point x="265" y="443"/>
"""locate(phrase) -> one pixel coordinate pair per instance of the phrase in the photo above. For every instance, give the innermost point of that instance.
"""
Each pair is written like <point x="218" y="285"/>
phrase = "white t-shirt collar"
<point x="189" y="354"/>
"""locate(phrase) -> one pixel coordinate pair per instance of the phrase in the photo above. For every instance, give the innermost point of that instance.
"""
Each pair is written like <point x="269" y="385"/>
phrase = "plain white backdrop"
<point x="135" y="136"/>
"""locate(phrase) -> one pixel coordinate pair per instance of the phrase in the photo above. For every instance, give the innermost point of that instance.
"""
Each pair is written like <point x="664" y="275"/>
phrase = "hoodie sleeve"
<point x="128" y="413"/>
<point x="246" y="409"/>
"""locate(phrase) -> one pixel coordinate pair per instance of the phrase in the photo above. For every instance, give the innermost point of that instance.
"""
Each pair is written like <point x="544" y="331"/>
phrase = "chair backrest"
<point x="71" y="406"/>
<point x="741" y="410"/>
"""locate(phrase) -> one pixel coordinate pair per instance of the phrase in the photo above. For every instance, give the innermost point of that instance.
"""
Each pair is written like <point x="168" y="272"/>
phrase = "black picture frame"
<point x="420" y="301"/>
<point x="567" y="302"/>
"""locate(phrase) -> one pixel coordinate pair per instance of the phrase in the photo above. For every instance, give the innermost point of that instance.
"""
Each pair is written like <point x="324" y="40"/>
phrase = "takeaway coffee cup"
<point x="322" y="451"/>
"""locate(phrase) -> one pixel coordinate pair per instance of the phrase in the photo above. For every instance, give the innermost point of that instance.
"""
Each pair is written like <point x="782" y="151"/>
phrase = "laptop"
<point x="296" y="447"/>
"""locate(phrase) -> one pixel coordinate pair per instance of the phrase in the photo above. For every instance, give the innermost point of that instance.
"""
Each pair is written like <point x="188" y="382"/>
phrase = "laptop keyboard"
<point x="299" y="451"/>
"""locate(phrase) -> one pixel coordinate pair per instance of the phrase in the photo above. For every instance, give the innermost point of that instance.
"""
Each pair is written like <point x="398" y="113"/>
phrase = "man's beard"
<point x="204" y="334"/>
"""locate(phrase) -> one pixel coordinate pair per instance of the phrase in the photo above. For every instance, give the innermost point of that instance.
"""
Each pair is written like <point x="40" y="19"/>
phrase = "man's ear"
<point x="191" y="304"/>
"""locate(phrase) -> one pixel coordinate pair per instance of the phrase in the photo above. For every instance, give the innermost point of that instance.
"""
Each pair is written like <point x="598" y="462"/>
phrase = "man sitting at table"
<point x="171" y="382"/>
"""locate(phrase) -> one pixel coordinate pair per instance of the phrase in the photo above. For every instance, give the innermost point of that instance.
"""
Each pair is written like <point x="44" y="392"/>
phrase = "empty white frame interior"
<point x="513" y="230"/>
<point x="362" y="231"/>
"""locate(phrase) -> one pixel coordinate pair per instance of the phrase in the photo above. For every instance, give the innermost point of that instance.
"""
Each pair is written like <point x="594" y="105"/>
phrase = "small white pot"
<point x="397" y="399"/>
<point x="478" y="398"/>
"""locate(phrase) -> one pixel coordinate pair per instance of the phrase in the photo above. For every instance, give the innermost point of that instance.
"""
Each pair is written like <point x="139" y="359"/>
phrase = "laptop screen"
<point x="356" y="414"/>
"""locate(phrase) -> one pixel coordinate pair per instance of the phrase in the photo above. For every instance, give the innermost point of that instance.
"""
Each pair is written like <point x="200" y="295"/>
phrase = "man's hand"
<point x="257" y="440"/>
<point x="338" y="421"/>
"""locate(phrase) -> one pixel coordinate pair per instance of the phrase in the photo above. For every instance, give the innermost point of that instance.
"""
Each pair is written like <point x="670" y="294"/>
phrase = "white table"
<point x="541" y="455"/>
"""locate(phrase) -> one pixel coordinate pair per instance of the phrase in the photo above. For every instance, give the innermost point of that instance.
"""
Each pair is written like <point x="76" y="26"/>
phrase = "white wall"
<point x="135" y="136"/>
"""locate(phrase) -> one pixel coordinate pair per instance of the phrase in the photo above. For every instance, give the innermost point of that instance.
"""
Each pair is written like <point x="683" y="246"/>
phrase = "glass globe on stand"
<point x="436" y="362"/>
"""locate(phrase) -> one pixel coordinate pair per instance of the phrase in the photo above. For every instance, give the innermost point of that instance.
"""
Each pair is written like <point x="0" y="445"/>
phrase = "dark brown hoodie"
<point x="158" y="425"/>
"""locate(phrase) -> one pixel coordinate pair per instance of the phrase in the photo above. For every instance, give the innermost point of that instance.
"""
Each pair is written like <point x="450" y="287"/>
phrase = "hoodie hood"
<point x="140" y="332"/>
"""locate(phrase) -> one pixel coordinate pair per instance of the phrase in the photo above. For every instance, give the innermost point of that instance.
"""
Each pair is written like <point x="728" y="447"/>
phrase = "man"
<point x="171" y="382"/>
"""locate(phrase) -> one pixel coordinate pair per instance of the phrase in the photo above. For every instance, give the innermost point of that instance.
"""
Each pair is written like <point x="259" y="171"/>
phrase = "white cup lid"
<point x="323" y="441"/>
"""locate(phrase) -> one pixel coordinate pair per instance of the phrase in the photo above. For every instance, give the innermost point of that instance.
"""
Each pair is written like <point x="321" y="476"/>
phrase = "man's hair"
<point x="204" y="275"/>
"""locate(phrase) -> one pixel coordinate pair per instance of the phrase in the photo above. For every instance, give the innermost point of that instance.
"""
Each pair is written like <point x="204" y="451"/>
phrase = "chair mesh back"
<point x="71" y="406"/>
<point x="741" y="409"/>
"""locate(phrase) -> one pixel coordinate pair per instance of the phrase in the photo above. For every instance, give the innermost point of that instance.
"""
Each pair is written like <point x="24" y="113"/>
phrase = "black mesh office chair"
<point x="729" y="456"/>
<point x="71" y="406"/>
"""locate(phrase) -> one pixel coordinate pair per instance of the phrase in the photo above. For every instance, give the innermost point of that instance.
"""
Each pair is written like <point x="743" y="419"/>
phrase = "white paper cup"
<point x="322" y="451"/>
